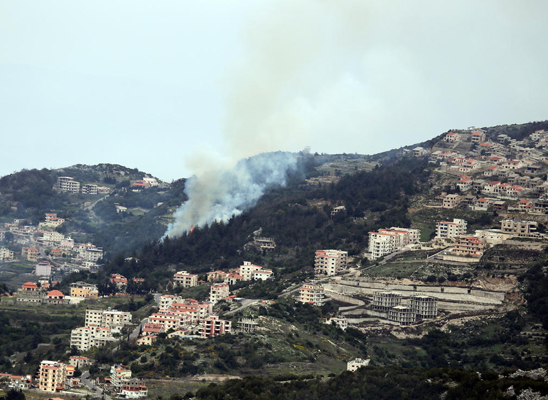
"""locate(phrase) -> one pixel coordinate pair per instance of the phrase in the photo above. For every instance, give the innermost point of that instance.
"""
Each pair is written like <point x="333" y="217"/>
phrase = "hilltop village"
<point x="436" y="274"/>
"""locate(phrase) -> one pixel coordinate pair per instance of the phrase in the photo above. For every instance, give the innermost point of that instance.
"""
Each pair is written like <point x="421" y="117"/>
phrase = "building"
<point x="68" y="184"/>
<point x="89" y="189"/>
<point x="43" y="268"/>
<point x="470" y="246"/>
<point x="386" y="241"/>
<point x="6" y="254"/>
<point x="312" y="294"/>
<point x="119" y="280"/>
<point x="424" y="307"/>
<point x="134" y="391"/>
<point x="55" y="297"/>
<point x="247" y="271"/>
<point x="330" y="262"/>
<point x="247" y="325"/>
<point x="84" y="290"/>
<point x="519" y="228"/>
<point x="52" y="375"/>
<point x="353" y="365"/>
<point x="93" y="254"/>
<point x="112" y="319"/>
<point x="30" y="253"/>
<point x="218" y="292"/>
<point x="451" y="201"/>
<point x="341" y="323"/>
<point x="213" y="326"/>
<point x="384" y="301"/>
<point x="119" y="376"/>
<point x="447" y="230"/>
<point x="79" y="361"/>
<point x="30" y="293"/>
<point x="86" y="337"/>
<point x="186" y="280"/>
<point x="403" y="315"/>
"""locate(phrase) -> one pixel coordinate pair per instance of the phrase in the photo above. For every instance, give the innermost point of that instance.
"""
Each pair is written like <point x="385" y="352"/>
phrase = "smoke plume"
<point x="293" y="82"/>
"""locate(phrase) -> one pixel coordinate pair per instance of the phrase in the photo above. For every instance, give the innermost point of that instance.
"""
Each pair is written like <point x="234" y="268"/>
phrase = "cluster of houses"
<point x="68" y="184"/>
<point x="44" y="241"/>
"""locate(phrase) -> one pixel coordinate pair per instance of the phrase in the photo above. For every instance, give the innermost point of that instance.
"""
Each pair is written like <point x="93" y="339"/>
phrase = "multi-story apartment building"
<point x="186" y="280"/>
<point x="218" y="292"/>
<point x="451" y="201"/>
<point x="112" y="319"/>
<point x="386" y="241"/>
<point x="402" y="314"/>
<point x="518" y="227"/>
<point x="330" y="262"/>
<point x="86" y="337"/>
<point x="167" y="299"/>
<point x="68" y="184"/>
<point x="247" y="271"/>
<point x="52" y="376"/>
<point x="30" y="253"/>
<point x="424" y="307"/>
<point x="170" y="319"/>
<point x="6" y="254"/>
<point x="312" y="294"/>
<point x="447" y="230"/>
<point x="89" y="189"/>
<point x="384" y="301"/>
<point x="470" y="246"/>
<point x="213" y="326"/>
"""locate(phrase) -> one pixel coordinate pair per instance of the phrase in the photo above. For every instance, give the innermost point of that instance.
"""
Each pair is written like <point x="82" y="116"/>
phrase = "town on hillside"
<point x="436" y="275"/>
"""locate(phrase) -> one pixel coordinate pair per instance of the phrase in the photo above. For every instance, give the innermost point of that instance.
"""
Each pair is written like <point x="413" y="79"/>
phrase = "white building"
<point x="330" y="262"/>
<point x="247" y="271"/>
<point x="386" y="241"/>
<point x="353" y="365"/>
<point x="312" y="294"/>
<point x="447" y="230"/>
<point x="186" y="280"/>
<point x="68" y="184"/>
<point x="218" y="292"/>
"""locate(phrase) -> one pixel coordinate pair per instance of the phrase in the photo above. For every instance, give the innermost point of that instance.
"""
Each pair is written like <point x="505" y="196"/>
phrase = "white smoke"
<point x="218" y="195"/>
<point x="292" y="83"/>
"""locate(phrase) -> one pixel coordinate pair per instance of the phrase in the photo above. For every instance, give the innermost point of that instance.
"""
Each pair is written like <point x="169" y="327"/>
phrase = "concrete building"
<point x="447" y="230"/>
<point x="79" y="361"/>
<point x="68" y="184"/>
<point x="451" y="201"/>
<point x="86" y="337"/>
<point x="330" y="262"/>
<point x="218" y="292"/>
<point x="89" y="189"/>
<point x="247" y="325"/>
<point x="341" y="323"/>
<point x="312" y="294"/>
<point x="213" y="326"/>
<point x="403" y="315"/>
<point x="385" y="300"/>
<point x="519" y="228"/>
<point x="424" y="307"/>
<point x="52" y="375"/>
<point x="30" y="253"/>
<point x="469" y="246"/>
<point x="43" y="268"/>
<point x="186" y="280"/>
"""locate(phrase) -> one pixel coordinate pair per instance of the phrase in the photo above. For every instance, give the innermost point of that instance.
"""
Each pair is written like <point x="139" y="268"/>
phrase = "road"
<point x="135" y="333"/>
<point x="245" y="303"/>
<point x="98" y="392"/>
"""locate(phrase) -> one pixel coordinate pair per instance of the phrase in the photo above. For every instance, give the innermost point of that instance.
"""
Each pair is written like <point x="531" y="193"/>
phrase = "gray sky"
<point x="170" y="86"/>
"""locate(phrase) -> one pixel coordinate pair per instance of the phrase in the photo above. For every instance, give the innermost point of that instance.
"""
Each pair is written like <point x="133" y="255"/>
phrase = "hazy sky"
<point x="168" y="86"/>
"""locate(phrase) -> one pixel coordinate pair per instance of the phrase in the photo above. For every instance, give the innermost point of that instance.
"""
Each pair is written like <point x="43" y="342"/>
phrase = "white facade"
<point x="218" y="292"/>
<point x="386" y="241"/>
<point x="330" y="262"/>
<point x="353" y="365"/>
<point x="312" y="294"/>
<point x="447" y="230"/>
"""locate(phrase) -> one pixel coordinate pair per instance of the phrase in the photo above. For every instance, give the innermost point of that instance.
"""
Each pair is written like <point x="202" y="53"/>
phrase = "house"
<point x="55" y="297"/>
<point x="312" y="294"/>
<point x="119" y="280"/>
<point x="341" y="323"/>
<point x="84" y="290"/>
<point x="353" y="365"/>
<point x="6" y="254"/>
<point x="330" y="262"/>
<point x="79" y="361"/>
<point x="464" y="183"/>
<point x="452" y="137"/>
<point x="469" y="246"/>
<point x="478" y="137"/>
<point x="29" y="253"/>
